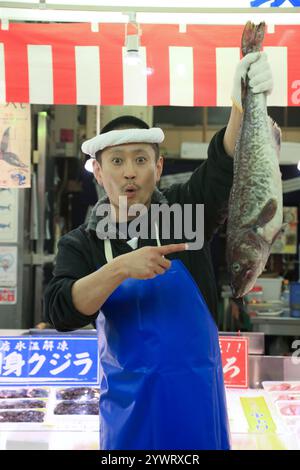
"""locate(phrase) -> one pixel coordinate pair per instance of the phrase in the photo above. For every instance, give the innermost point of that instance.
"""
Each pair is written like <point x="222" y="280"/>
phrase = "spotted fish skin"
<point x="255" y="204"/>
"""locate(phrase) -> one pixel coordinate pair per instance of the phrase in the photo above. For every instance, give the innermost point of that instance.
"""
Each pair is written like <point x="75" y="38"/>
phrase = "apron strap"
<point x="157" y="234"/>
<point x="108" y="250"/>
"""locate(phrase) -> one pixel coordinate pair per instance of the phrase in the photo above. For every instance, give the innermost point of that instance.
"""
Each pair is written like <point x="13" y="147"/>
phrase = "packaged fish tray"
<point x="77" y="393"/>
<point x="24" y="392"/>
<point x="289" y="411"/>
<point x="72" y="407"/>
<point x="284" y="396"/>
<point x="22" y="403"/>
<point x="22" y="416"/>
<point x="282" y="386"/>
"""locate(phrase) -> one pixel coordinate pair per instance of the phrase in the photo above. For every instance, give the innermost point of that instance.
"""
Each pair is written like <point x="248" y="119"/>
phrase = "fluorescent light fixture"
<point x="217" y="18"/>
<point x="88" y="166"/>
<point x="65" y="16"/>
<point x="35" y="2"/>
<point x="155" y="3"/>
<point x="289" y="153"/>
<point x="23" y="14"/>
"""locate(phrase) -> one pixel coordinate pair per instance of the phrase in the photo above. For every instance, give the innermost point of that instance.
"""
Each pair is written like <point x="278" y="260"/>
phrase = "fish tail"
<point x="253" y="36"/>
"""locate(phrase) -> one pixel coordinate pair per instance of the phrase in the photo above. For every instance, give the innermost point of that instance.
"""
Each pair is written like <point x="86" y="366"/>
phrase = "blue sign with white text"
<point x="275" y="3"/>
<point x="45" y="360"/>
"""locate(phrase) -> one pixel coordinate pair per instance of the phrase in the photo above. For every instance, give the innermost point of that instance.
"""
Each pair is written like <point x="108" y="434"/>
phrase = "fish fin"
<point x="276" y="131"/>
<point x="280" y="231"/>
<point x="244" y="88"/>
<point x="252" y="37"/>
<point x="267" y="213"/>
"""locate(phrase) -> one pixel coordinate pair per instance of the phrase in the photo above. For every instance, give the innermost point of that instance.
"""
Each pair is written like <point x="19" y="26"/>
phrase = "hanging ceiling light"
<point x="132" y="42"/>
<point x="132" y="55"/>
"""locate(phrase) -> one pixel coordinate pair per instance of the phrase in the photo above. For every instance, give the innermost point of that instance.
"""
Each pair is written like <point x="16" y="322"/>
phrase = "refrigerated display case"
<point x="264" y="416"/>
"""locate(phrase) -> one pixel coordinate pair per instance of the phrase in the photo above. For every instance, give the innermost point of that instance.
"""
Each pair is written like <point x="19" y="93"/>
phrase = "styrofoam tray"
<point x="274" y="313"/>
<point x="282" y="386"/>
<point x="289" y="410"/>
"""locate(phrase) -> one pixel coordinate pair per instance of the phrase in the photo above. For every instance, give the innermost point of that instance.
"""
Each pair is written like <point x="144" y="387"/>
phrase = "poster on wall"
<point x="8" y="266"/>
<point x="8" y="215"/>
<point x="8" y="295"/>
<point x="15" y="144"/>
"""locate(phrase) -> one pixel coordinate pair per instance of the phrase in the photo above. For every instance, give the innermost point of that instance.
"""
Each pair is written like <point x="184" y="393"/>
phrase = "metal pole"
<point x="98" y="119"/>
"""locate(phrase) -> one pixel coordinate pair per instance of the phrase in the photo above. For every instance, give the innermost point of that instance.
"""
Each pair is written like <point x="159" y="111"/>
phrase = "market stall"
<point x="64" y="73"/>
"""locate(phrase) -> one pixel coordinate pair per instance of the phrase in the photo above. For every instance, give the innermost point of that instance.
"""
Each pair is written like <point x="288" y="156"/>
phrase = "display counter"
<point x="54" y="417"/>
<point x="279" y="326"/>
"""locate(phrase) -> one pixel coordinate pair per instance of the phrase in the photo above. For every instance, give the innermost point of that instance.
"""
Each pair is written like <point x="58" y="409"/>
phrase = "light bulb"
<point x="132" y="58"/>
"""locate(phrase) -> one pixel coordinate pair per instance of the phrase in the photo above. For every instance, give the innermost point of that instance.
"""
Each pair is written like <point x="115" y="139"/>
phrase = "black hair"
<point x="126" y="122"/>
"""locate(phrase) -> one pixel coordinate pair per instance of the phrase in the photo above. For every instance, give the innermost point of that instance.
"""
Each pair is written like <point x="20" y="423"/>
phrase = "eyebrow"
<point x="120" y="150"/>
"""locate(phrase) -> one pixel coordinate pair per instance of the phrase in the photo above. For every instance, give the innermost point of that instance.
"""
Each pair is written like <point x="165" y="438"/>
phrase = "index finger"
<point x="173" y="248"/>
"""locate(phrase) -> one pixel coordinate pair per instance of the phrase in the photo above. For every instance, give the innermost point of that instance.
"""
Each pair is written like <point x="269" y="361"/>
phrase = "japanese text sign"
<point x="234" y="351"/>
<point x="45" y="360"/>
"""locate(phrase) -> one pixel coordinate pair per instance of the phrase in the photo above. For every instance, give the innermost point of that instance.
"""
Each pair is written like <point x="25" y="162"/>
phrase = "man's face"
<point x="128" y="170"/>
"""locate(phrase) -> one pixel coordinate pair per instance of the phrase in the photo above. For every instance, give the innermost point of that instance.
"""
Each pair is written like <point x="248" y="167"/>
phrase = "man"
<point x="152" y="298"/>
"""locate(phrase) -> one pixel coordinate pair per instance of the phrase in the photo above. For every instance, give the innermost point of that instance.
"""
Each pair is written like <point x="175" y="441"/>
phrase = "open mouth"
<point x="130" y="192"/>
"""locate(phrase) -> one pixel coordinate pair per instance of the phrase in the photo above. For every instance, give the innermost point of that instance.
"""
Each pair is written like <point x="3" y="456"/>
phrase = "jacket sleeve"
<point x="71" y="265"/>
<point x="210" y="184"/>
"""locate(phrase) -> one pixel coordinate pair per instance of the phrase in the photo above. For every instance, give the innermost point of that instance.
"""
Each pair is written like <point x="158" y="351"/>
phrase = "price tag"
<point x="234" y="351"/>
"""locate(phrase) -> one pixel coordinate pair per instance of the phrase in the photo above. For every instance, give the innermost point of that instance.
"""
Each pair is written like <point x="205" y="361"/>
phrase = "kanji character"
<point x="40" y="359"/>
<point x="20" y="346"/>
<point x="13" y="363"/>
<point x="4" y="346"/>
<point x="64" y="366"/>
<point x="62" y="346"/>
<point x="84" y="358"/>
<point x="34" y="346"/>
<point x="48" y="345"/>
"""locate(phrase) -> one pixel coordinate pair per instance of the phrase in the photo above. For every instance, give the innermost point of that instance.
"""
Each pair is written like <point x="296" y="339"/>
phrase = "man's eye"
<point x="141" y="159"/>
<point x="117" y="161"/>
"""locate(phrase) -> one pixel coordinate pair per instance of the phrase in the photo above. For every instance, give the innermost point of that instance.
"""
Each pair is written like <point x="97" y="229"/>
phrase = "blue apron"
<point x="161" y="372"/>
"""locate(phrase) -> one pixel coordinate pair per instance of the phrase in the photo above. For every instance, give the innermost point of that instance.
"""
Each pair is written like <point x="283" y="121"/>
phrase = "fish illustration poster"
<point x="8" y="266"/>
<point x="15" y="145"/>
<point x="8" y="215"/>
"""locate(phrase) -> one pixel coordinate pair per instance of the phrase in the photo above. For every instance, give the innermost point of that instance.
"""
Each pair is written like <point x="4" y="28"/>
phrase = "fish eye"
<point x="236" y="267"/>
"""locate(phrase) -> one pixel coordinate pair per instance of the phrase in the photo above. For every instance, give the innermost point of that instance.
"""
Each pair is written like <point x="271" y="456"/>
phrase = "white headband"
<point x="154" y="135"/>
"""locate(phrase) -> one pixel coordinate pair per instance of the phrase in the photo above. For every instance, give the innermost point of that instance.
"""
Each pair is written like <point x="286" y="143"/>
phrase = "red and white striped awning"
<point x="191" y="66"/>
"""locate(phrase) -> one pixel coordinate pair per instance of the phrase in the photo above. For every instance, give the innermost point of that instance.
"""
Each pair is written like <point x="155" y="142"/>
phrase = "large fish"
<point x="255" y="204"/>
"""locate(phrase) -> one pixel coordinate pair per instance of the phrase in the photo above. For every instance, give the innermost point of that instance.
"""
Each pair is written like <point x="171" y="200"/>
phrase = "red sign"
<point x="67" y="135"/>
<point x="234" y="351"/>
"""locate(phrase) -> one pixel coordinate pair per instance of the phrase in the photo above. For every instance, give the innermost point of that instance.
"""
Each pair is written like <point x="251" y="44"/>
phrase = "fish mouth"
<point x="236" y="293"/>
<point x="239" y="292"/>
